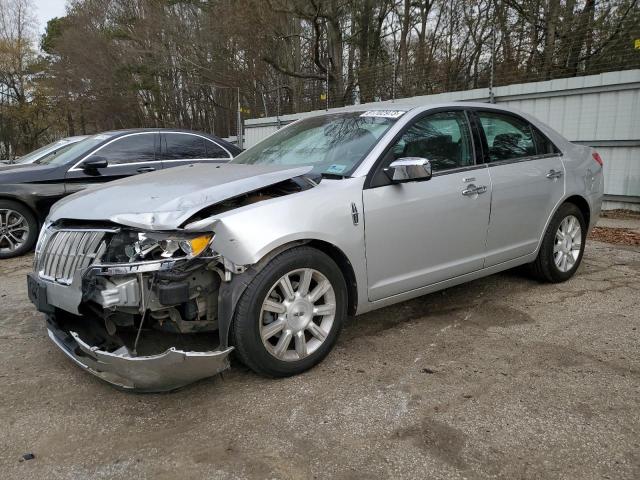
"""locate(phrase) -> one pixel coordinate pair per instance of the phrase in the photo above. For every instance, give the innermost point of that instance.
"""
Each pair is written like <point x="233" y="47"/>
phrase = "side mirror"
<point x="409" y="169"/>
<point x="94" y="163"/>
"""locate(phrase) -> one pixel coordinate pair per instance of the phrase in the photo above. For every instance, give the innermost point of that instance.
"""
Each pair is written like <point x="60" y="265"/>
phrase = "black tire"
<point x="245" y="329"/>
<point x="544" y="267"/>
<point x="31" y="236"/>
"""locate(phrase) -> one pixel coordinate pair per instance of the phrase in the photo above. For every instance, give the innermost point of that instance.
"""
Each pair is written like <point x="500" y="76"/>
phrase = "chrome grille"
<point x="64" y="252"/>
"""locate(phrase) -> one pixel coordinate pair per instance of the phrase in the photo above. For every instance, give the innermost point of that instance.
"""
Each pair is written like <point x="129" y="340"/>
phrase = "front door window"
<point x="129" y="149"/>
<point x="442" y="138"/>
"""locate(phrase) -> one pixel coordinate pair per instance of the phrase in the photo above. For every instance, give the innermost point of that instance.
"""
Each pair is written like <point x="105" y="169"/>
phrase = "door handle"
<point x="145" y="169"/>
<point x="554" y="174"/>
<point x="472" y="190"/>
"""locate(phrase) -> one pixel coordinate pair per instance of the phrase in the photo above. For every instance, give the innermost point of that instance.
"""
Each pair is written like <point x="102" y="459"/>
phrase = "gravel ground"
<point x="500" y="378"/>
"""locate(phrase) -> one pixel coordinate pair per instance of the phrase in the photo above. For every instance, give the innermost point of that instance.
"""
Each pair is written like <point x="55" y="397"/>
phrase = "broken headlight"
<point x="130" y="246"/>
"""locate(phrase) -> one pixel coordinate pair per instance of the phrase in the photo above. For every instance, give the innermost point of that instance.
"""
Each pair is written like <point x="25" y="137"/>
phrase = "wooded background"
<point x="112" y="64"/>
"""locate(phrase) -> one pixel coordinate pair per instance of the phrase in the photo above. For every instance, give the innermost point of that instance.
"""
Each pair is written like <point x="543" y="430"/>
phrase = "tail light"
<point x="596" y="156"/>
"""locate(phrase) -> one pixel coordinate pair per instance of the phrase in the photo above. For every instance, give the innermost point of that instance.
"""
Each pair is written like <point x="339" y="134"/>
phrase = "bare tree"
<point x="125" y="63"/>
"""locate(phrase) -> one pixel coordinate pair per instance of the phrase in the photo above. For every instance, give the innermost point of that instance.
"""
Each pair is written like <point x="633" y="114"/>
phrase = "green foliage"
<point x="53" y="32"/>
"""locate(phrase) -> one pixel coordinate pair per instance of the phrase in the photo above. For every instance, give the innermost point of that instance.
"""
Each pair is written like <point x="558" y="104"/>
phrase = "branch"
<point x="291" y="73"/>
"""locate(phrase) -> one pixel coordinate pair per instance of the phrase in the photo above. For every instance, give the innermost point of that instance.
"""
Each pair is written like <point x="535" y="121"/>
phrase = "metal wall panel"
<point x="593" y="110"/>
<point x="253" y="135"/>
<point x="621" y="170"/>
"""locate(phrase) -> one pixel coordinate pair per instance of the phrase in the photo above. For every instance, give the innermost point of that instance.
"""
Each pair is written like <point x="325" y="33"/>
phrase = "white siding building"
<point x="602" y="111"/>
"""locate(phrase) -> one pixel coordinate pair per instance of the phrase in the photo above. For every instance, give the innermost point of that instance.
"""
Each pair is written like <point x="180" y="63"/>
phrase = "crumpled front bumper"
<point x="154" y="373"/>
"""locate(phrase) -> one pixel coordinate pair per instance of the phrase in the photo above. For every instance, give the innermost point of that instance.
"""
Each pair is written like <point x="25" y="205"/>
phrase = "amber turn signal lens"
<point x="195" y="246"/>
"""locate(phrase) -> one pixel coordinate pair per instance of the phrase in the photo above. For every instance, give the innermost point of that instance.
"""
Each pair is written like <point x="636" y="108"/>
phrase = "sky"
<point x="46" y="10"/>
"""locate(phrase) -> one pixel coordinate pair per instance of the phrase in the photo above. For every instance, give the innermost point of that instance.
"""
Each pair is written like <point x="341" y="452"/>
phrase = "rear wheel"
<point x="562" y="246"/>
<point x="290" y="315"/>
<point x="18" y="229"/>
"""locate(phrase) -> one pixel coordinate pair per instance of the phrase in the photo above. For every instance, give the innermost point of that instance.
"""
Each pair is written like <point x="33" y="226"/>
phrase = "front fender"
<point x="246" y="235"/>
<point x="249" y="235"/>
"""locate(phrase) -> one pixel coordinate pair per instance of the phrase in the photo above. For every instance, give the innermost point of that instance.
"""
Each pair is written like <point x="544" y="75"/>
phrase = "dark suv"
<point x="28" y="191"/>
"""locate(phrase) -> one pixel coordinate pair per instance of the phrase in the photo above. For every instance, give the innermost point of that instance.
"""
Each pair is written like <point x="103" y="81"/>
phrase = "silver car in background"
<point x="150" y="282"/>
<point x="48" y="152"/>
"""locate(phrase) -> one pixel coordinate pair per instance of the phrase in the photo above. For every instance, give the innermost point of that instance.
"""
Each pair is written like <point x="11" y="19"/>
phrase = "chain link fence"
<point x="499" y="61"/>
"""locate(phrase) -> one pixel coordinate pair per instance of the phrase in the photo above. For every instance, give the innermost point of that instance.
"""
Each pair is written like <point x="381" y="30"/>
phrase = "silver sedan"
<point x="150" y="282"/>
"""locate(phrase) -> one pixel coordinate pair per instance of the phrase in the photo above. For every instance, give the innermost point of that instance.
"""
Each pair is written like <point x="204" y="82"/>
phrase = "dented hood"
<point x="165" y="199"/>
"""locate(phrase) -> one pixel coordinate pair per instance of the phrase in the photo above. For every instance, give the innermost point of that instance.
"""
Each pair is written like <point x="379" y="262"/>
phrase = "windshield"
<point x="39" y="152"/>
<point x="43" y="157"/>
<point x="332" y="144"/>
<point x="73" y="153"/>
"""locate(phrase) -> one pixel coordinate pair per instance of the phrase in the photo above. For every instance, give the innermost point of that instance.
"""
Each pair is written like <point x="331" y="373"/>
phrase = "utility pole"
<point x="278" y="105"/>
<point x="395" y="73"/>
<point x="492" y="98"/>
<point x="326" y="88"/>
<point x="239" y="120"/>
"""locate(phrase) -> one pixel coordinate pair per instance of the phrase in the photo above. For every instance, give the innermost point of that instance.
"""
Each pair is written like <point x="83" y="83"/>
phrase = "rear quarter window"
<point x="544" y="146"/>
<point x="214" y="150"/>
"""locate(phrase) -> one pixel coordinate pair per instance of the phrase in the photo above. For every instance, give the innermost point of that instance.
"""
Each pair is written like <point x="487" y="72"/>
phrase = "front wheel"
<point x="18" y="229"/>
<point x="562" y="246"/>
<point x="291" y="313"/>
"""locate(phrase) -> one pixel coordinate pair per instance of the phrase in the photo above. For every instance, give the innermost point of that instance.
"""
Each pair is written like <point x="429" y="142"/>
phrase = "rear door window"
<point x="181" y="146"/>
<point x="508" y="137"/>
<point x="215" y="151"/>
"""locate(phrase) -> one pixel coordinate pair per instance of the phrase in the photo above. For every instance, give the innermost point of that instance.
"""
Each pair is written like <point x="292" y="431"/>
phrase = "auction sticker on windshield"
<point x="383" y="113"/>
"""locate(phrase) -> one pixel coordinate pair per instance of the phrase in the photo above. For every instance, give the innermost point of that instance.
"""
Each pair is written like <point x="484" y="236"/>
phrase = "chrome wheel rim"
<point x="14" y="230"/>
<point x="568" y="243"/>
<point x="297" y="314"/>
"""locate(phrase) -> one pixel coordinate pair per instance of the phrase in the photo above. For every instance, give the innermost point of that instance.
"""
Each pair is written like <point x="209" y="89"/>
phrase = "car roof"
<point x="402" y="105"/>
<point x="416" y="106"/>
<point x="75" y="138"/>
<point x="399" y="105"/>
<point x="127" y="131"/>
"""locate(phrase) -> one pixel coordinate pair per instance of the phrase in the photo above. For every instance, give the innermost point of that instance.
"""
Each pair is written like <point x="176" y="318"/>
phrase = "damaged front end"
<point x="137" y="309"/>
<point x="144" y="300"/>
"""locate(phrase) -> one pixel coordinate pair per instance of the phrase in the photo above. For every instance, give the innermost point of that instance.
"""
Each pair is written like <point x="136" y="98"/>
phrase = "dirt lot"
<point x="500" y="378"/>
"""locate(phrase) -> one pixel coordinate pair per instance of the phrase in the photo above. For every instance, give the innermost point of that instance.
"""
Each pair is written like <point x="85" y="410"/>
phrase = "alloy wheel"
<point x="568" y="243"/>
<point x="14" y="230"/>
<point x="297" y="314"/>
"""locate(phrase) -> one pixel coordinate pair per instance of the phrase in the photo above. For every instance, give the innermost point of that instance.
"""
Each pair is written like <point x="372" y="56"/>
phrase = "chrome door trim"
<point x="219" y="160"/>
<point x="523" y="159"/>
<point x="74" y="169"/>
<point x="122" y="164"/>
<point x="467" y="168"/>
